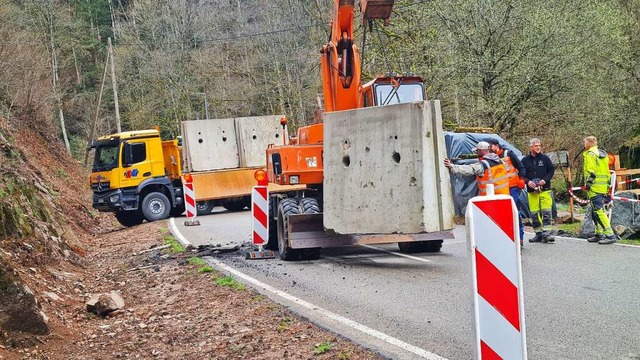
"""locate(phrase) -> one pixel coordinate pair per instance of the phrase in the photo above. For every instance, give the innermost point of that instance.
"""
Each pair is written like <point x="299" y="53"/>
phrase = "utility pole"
<point x="115" y="87"/>
<point x="97" y="113"/>
<point x="206" y="104"/>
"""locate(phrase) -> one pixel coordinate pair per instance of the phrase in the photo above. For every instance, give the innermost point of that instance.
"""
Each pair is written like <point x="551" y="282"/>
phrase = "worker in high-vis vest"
<point x="596" y="172"/>
<point x="515" y="172"/>
<point x="488" y="170"/>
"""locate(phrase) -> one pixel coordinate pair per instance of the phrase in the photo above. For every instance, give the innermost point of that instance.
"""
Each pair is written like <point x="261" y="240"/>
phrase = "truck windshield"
<point x="387" y="94"/>
<point x="106" y="157"/>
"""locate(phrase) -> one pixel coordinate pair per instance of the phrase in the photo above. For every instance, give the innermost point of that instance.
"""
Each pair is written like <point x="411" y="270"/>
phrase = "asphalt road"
<point x="582" y="300"/>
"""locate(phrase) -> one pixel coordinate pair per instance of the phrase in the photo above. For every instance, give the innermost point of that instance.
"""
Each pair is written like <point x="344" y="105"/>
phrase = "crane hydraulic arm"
<point x="340" y="62"/>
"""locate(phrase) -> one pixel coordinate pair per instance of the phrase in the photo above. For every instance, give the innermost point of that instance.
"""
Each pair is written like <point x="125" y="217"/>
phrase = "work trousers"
<point x="515" y="194"/>
<point x="540" y="204"/>
<point x="599" y="216"/>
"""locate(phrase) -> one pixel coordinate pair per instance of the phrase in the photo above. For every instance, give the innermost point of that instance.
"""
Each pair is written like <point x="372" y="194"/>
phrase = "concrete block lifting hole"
<point x="384" y="171"/>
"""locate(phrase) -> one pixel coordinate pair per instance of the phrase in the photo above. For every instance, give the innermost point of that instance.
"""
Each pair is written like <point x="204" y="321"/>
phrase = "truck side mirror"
<point x="127" y="154"/>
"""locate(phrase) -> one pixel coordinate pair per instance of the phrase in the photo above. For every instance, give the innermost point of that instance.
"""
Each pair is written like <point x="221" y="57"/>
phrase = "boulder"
<point x="103" y="304"/>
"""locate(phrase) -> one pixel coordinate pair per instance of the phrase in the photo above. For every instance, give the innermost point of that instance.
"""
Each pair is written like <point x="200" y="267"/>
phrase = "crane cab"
<point x="393" y="90"/>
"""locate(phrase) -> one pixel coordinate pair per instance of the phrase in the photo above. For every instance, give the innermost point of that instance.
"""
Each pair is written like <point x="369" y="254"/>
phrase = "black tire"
<point x="177" y="211"/>
<point x="272" y="243"/>
<point x="420" y="246"/>
<point x="310" y="206"/>
<point x="129" y="218"/>
<point x="156" y="206"/>
<point x="234" y="204"/>
<point x="204" y="207"/>
<point x="287" y="207"/>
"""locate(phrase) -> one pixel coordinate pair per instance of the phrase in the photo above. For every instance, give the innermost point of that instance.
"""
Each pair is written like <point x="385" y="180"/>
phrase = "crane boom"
<point x="340" y="61"/>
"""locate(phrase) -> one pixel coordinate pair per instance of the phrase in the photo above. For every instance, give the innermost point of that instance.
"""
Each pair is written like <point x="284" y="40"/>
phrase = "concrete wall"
<point x="209" y="144"/>
<point x="254" y="134"/>
<point x="384" y="172"/>
<point x="215" y="144"/>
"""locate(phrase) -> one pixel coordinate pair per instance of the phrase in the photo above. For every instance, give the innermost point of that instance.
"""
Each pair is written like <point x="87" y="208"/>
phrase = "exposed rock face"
<point x="20" y="312"/>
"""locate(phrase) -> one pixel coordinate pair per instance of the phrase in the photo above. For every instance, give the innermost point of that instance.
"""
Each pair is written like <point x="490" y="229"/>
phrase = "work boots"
<point x="537" y="238"/>
<point x="547" y="237"/>
<point x="610" y="239"/>
<point x="596" y="238"/>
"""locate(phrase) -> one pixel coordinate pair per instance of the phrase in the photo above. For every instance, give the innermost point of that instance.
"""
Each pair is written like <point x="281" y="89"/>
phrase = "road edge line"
<point x="339" y="318"/>
<point x="309" y="306"/>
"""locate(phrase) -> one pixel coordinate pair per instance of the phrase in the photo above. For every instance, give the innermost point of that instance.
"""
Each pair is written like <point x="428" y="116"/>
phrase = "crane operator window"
<point x="387" y="94"/>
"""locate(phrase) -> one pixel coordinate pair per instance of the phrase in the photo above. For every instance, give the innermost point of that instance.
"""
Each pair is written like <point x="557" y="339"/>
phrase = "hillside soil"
<point x="173" y="309"/>
<point x="56" y="252"/>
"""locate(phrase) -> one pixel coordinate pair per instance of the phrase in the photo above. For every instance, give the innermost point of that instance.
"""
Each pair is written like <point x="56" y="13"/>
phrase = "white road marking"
<point x="397" y="253"/>
<point x="309" y="306"/>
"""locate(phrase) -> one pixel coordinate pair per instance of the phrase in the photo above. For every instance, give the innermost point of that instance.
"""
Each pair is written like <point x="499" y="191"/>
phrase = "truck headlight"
<point x="114" y="198"/>
<point x="294" y="179"/>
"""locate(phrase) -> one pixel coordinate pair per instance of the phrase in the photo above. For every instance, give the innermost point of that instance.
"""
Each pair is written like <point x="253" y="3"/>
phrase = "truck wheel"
<point x="204" y="207"/>
<point x="156" y="206"/>
<point x="129" y="218"/>
<point x="310" y="206"/>
<point x="234" y="204"/>
<point x="287" y="207"/>
<point x="420" y="246"/>
<point x="177" y="211"/>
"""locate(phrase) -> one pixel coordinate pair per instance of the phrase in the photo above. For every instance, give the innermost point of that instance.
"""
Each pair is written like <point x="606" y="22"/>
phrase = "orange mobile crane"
<point x="296" y="222"/>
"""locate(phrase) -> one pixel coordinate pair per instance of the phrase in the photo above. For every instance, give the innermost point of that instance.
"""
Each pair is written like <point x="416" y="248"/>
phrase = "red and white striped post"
<point x="189" y="201"/>
<point x="260" y="217"/>
<point x="492" y="230"/>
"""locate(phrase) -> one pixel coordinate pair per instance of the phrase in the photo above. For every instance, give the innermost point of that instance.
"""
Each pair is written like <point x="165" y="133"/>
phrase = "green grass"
<point x="322" y="347"/>
<point x="630" y="241"/>
<point x="175" y="246"/>
<point x="194" y="260"/>
<point x="230" y="282"/>
<point x="570" y="228"/>
<point x="205" y="269"/>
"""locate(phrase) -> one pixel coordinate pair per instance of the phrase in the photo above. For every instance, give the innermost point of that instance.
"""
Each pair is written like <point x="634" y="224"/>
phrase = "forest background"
<point x="555" y="69"/>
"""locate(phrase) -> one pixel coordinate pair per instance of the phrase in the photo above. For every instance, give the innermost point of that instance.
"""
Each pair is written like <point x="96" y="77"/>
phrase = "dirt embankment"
<point x="55" y="252"/>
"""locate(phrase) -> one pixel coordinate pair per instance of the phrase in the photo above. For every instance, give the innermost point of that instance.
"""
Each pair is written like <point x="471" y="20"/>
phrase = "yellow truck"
<point x="137" y="176"/>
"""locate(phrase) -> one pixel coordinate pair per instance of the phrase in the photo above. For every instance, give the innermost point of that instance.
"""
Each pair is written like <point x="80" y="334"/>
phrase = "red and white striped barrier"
<point x="618" y="198"/>
<point x="492" y="230"/>
<point x="189" y="201"/>
<point x="259" y="214"/>
<point x="260" y="218"/>
<point x="636" y="180"/>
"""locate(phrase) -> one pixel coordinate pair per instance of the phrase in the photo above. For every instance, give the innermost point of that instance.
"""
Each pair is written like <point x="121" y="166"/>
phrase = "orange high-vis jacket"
<point x="496" y="175"/>
<point x="512" y="172"/>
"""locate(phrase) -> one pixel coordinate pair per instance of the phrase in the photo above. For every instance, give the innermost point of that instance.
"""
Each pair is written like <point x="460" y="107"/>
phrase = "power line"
<point x="233" y="37"/>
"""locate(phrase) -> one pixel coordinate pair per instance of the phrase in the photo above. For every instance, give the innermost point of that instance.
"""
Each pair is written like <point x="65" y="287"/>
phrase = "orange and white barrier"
<point x="189" y="201"/>
<point x="260" y="218"/>
<point x="492" y="229"/>
<point x="259" y="215"/>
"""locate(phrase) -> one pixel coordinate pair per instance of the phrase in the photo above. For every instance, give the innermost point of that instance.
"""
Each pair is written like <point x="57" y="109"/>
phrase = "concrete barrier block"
<point x="209" y="144"/>
<point x="384" y="171"/>
<point x="254" y="134"/>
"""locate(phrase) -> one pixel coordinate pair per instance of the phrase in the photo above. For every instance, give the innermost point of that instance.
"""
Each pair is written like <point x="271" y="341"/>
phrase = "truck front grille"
<point x="100" y="187"/>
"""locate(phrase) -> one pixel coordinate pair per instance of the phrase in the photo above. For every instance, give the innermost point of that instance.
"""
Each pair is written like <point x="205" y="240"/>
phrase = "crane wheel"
<point x="287" y="207"/>
<point x="310" y="206"/>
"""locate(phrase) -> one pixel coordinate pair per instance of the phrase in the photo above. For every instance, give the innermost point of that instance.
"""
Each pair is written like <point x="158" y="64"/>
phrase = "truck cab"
<point x="129" y="176"/>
